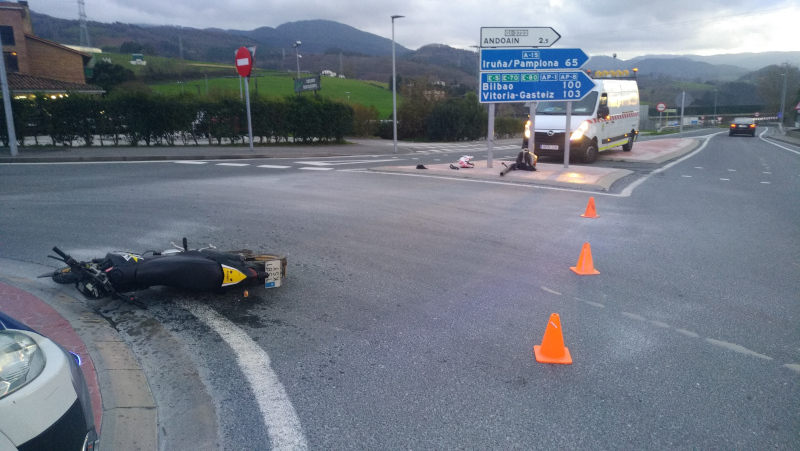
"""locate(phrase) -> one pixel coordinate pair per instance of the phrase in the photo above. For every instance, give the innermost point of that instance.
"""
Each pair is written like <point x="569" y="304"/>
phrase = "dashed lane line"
<point x="280" y="418"/>
<point x="191" y="162"/>
<point x="719" y="343"/>
<point x="273" y="166"/>
<point x="233" y="164"/>
<point x="314" y="168"/>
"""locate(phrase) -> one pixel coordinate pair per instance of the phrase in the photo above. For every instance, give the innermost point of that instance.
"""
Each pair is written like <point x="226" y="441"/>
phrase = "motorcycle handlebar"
<point x="60" y="253"/>
<point x="67" y="259"/>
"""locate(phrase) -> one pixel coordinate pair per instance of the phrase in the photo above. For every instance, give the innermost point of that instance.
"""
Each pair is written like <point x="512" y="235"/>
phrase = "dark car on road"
<point x="743" y="126"/>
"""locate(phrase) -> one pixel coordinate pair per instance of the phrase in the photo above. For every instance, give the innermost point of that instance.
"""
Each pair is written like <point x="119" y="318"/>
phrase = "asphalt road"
<point x="413" y="304"/>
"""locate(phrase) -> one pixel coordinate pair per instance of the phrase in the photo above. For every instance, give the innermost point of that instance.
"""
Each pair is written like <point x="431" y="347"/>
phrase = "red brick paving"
<point x="39" y="316"/>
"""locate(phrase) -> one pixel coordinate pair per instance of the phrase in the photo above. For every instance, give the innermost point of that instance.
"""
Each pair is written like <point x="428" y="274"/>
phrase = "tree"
<point x="109" y="75"/>
<point x="130" y="47"/>
<point x="770" y="83"/>
<point x="419" y="99"/>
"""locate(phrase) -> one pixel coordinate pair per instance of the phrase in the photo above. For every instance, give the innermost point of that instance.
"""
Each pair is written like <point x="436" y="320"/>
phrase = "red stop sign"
<point x="244" y="62"/>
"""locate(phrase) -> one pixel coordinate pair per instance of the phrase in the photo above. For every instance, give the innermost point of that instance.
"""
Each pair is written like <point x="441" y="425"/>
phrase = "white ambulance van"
<point x="607" y="117"/>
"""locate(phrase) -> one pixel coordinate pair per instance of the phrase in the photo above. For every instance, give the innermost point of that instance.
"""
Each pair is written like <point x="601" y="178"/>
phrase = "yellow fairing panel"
<point x="231" y="276"/>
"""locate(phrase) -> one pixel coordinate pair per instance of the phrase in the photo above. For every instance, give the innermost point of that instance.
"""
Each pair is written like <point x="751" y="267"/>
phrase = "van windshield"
<point x="584" y="107"/>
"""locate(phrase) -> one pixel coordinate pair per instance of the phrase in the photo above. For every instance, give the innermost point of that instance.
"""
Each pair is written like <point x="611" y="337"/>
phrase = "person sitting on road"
<point x="526" y="161"/>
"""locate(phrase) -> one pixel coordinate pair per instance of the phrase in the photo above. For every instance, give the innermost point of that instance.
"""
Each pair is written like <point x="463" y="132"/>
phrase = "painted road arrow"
<point x="521" y="86"/>
<point x="531" y="59"/>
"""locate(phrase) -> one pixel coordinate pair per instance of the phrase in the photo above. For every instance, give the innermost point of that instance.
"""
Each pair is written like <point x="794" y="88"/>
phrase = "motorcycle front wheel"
<point x="65" y="276"/>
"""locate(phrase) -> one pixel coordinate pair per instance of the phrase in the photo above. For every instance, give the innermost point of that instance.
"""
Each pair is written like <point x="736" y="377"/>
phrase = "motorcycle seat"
<point x="180" y="271"/>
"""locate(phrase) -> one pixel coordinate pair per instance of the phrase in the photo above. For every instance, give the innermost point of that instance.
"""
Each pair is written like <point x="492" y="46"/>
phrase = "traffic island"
<point x="583" y="177"/>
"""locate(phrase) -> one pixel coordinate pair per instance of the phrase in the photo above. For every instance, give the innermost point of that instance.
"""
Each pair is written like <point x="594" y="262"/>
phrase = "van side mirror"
<point x="602" y="111"/>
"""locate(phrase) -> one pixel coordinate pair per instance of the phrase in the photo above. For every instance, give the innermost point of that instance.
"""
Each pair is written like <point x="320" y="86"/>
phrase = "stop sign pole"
<point x="244" y="65"/>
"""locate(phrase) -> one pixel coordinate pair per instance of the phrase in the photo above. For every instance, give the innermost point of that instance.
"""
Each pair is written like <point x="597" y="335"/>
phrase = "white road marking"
<point x="191" y="162"/>
<point x="698" y="167"/>
<point x="629" y="189"/>
<point x="336" y="163"/>
<point x="633" y="316"/>
<point x="793" y="366"/>
<point x="273" y="166"/>
<point x="765" y="183"/>
<point x="778" y="145"/>
<point x="233" y="164"/>
<point x="725" y="179"/>
<point x="687" y="333"/>
<point x="593" y="304"/>
<point x="687" y="176"/>
<point x="731" y="170"/>
<point x="550" y="291"/>
<point x="317" y="169"/>
<point x="766" y="173"/>
<point x="660" y="324"/>
<point x="737" y="348"/>
<point x="280" y="418"/>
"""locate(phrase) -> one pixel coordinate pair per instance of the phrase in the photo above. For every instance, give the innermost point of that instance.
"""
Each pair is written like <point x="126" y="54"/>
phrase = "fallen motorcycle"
<point x="204" y="269"/>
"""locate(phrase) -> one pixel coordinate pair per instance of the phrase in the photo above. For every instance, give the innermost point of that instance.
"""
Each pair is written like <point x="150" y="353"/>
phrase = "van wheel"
<point x="629" y="145"/>
<point x="590" y="155"/>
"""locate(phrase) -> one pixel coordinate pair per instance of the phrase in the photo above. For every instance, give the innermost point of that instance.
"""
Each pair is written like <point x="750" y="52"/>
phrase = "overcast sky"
<point x="628" y="28"/>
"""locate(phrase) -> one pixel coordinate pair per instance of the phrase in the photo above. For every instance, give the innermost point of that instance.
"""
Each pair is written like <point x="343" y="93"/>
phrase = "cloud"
<point x="626" y="27"/>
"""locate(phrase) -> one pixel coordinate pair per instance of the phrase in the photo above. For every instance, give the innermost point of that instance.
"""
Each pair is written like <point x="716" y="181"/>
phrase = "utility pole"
<point x="85" y="41"/>
<point x="12" y="135"/>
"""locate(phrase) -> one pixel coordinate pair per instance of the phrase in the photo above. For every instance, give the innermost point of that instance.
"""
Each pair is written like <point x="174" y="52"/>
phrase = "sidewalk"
<point x="590" y="177"/>
<point x="124" y="408"/>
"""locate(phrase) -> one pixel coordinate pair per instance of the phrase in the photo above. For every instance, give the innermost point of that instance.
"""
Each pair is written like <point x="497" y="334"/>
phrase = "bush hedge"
<point x="142" y="118"/>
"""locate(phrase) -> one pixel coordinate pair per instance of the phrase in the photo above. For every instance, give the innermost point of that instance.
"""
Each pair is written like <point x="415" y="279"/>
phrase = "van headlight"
<point x="578" y="133"/>
<point x="21" y="361"/>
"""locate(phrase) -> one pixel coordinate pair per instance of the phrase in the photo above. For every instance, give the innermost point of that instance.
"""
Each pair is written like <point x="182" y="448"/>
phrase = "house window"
<point x="11" y="61"/>
<point x="7" y="35"/>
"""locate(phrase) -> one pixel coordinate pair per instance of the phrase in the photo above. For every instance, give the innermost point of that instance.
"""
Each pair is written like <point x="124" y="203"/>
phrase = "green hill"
<point x="272" y="84"/>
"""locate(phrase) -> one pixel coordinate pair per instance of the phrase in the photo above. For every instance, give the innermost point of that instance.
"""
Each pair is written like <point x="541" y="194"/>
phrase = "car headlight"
<point x="578" y="133"/>
<point x="21" y="361"/>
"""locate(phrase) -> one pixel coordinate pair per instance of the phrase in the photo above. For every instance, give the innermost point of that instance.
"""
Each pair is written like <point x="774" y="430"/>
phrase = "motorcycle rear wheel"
<point x="257" y="261"/>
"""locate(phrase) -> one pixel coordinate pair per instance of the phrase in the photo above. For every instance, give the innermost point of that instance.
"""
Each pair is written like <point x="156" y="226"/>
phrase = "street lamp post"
<point x="783" y="98"/>
<point x="394" y="88"/>
<point x="715" y="106"/>
<point x="297" y="56"/>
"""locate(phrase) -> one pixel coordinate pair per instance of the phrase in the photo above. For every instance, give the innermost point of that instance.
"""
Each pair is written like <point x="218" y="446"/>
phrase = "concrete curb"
<point x="130" y="418"/>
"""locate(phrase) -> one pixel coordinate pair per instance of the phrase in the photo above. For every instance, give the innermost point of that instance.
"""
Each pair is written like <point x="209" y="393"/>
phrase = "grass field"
<point x="272" y="84"/>
<point x="269" y="84"/>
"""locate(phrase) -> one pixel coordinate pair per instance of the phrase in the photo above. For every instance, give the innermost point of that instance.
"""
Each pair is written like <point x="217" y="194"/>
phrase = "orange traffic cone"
<point x="585" y="265"/>
<point x="552" y="349"/>
<point x="590" y="211"/>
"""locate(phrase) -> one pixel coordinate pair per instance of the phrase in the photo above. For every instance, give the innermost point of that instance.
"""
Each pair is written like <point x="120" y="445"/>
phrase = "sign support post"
<point x="249" y="120"/>
<point x="490" y="137"/>
<point x="244" y="65"/>
<point x="567" y="133"/>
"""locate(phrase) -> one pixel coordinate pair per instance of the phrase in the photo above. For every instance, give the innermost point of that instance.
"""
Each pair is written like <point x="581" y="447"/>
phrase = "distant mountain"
<point x="344" y="49"/>
<point x="681" y="68"/>
<point x="198" y="45"/>
<point x="749" y="61"/>
<point x="323" y="36"/>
